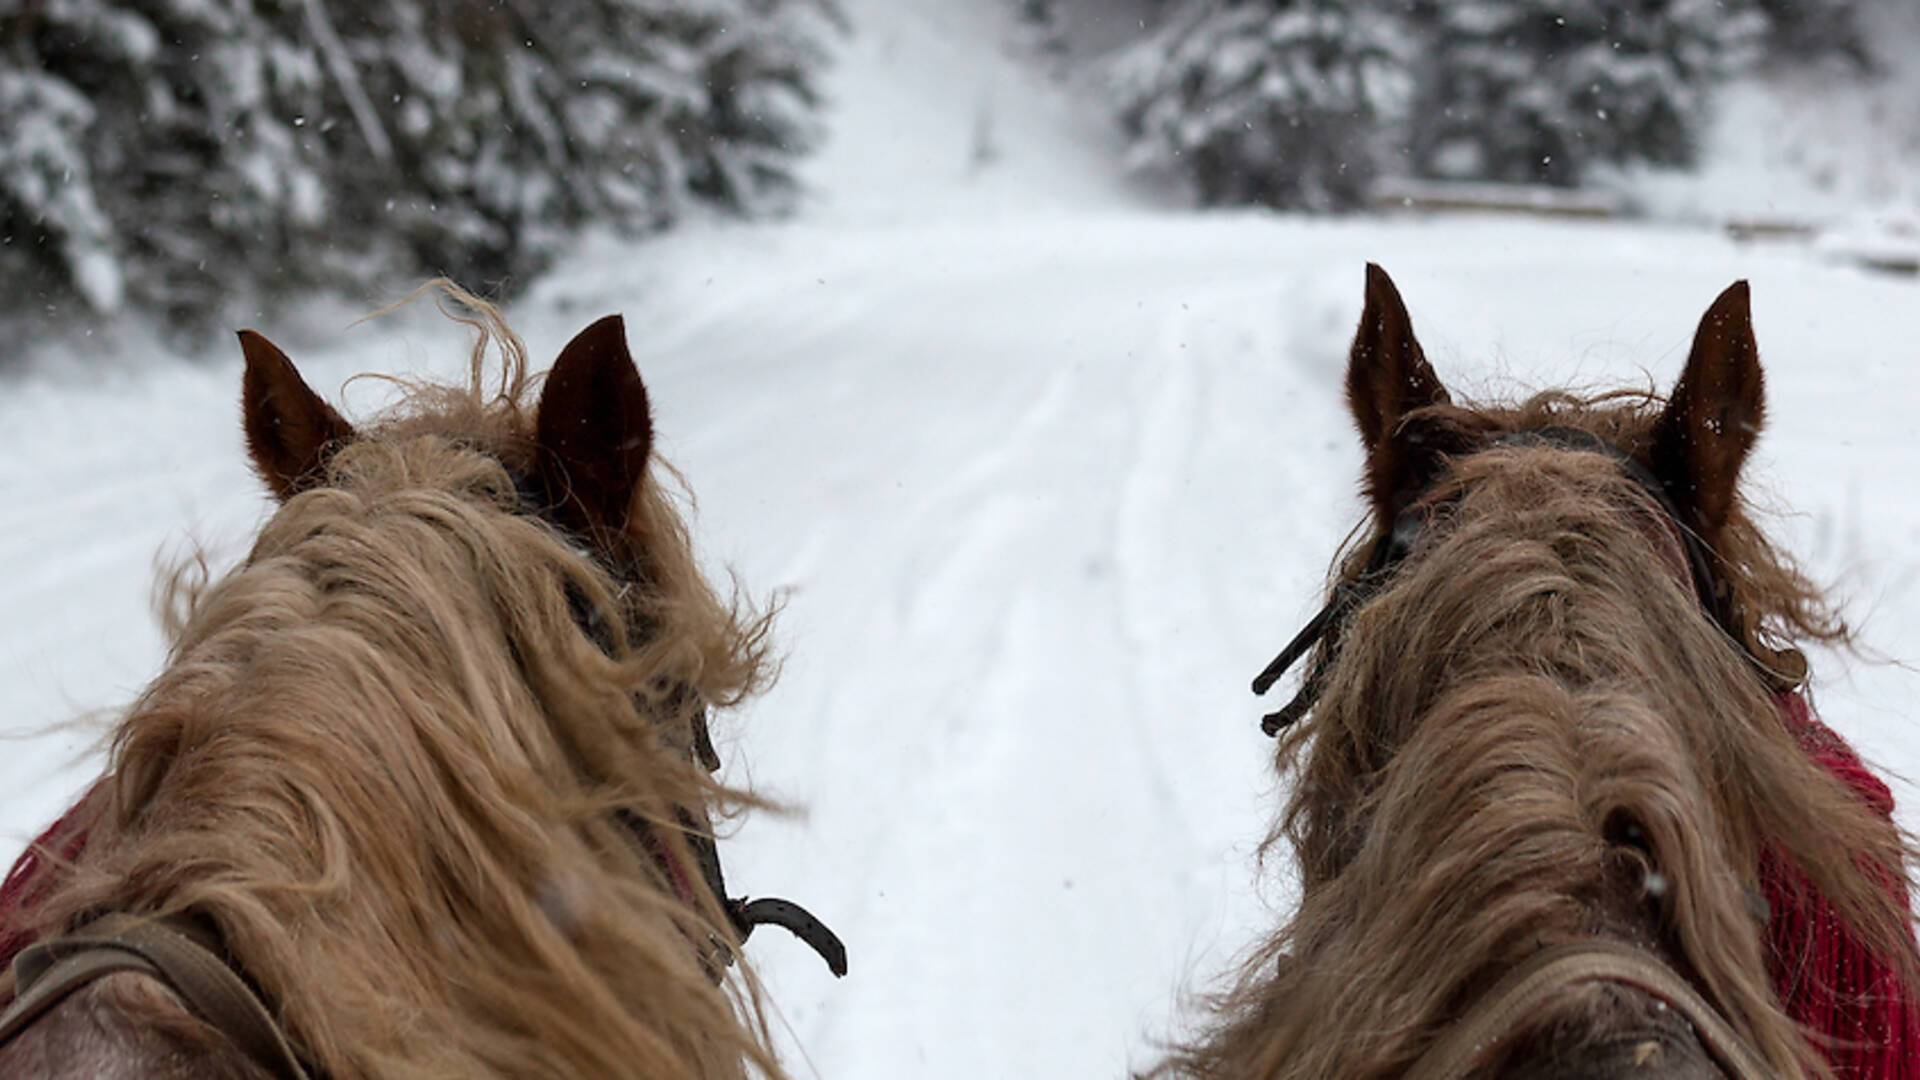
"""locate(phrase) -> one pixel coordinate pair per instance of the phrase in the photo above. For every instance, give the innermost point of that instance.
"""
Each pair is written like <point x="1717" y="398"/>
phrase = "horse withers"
<point x="425" y="781"/>
<point x="1558" y="806"/>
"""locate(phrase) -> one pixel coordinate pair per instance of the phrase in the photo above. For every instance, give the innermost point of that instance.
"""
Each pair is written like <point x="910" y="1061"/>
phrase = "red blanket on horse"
<point x="1865" y="1020"/>
<point x="32" y="872"/>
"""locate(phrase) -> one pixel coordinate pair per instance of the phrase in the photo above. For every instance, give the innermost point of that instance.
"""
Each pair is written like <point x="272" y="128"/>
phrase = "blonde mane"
<point x="385" y="755"/>
<point x="1534" y="680"/>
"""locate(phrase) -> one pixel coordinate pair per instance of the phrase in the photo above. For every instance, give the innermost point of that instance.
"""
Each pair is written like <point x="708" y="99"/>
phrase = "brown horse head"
<point x="431" y="763"/>
<point x="1542" y="713"/>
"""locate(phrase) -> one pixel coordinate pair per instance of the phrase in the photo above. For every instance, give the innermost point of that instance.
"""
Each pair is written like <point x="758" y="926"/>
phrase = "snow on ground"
<point x="1044" y="476"/>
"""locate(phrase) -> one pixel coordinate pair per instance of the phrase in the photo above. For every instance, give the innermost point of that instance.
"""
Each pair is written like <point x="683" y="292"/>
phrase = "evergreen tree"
<point x="1046" y="22"/>
<point x="1542" y="90"/>
<point x="1809" y="30"/>
<point x="1277" y="102"/>
<point x="51" y="227"/>
<point x="183" y="154"/>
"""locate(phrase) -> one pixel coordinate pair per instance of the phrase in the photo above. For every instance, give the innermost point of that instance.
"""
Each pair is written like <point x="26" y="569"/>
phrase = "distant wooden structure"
<point x="1900" y="263"/>
<point x="1895" y="252"/>
<point x="1748" y="230"/>
<point x="1447" y="196"/>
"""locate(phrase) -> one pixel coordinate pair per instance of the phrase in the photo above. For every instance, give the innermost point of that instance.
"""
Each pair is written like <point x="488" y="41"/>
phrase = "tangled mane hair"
<point x="387" y="751"/>
<point x="1531" y="733"/>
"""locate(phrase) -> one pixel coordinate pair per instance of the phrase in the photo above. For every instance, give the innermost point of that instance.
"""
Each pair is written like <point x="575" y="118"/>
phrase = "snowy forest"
<point x="192" y="160"/>
<point x="1305" y="103"/>
<point x="350" y="146"/>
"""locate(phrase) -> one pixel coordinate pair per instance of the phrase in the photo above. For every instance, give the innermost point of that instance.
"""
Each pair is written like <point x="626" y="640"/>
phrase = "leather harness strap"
<point x="163" y="949"/>
<point x="1780" y="670"/>
<point x="1498" y="1016"/>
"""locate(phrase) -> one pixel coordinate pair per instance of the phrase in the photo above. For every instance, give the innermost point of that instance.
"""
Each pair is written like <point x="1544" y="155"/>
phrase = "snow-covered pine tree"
<point x="1277" y="102"/>
<point x="1542" y="90"/>
<point x="1046" y="22"/>
<point x="182" y="155"/>
<point x="1811" y="30"/>
<point x="51" y="228"/>
<point x="514" y="123"/>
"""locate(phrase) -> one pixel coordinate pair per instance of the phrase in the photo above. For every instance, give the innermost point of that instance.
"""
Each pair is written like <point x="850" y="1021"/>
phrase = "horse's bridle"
<point x="181" y="952"/>
<point x="717" y="954"/>
<point x="1499" y="1014"/>
<point x="1397" y="542"/>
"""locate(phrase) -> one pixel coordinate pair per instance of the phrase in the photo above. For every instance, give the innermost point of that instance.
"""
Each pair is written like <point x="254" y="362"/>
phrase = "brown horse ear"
<point x="1387" y="374"/>
<point x="290" y="431"/>
<point x="1387" y="377"/>
<point x="594" y="429"/>
<point x="1713" y="415"/>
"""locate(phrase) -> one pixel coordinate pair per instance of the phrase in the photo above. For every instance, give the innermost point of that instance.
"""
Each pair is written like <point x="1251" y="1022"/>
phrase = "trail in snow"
<point x="1044" y="477"/>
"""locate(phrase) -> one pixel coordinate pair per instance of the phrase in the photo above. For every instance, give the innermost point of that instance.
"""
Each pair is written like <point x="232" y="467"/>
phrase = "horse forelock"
<point x="1773" y="598"/>
<point x="385" y="751"/>
<point x="1533" y="678"/>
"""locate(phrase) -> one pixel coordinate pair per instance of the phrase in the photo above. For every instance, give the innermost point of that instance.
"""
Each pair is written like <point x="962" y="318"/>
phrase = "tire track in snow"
<point x="1162" y="398"/>
<point x="988" y="472"/>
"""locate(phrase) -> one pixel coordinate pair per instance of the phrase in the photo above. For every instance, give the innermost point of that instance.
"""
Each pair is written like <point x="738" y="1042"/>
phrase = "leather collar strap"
<point x="1501" y="1014"/>
<point x="163" y="949"/>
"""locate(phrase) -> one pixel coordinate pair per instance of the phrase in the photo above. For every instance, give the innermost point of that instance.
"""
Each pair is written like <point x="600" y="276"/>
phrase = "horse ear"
<point x="1387" y="377"/>
<point x="594" y="429"/>
<point x="1713" y="415"/>
<point x="1387" y="374"/>
<point x="290" y="431"/>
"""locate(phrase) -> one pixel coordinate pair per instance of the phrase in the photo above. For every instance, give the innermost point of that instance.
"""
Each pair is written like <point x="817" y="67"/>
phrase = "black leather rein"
<point x="742" y="913"/>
